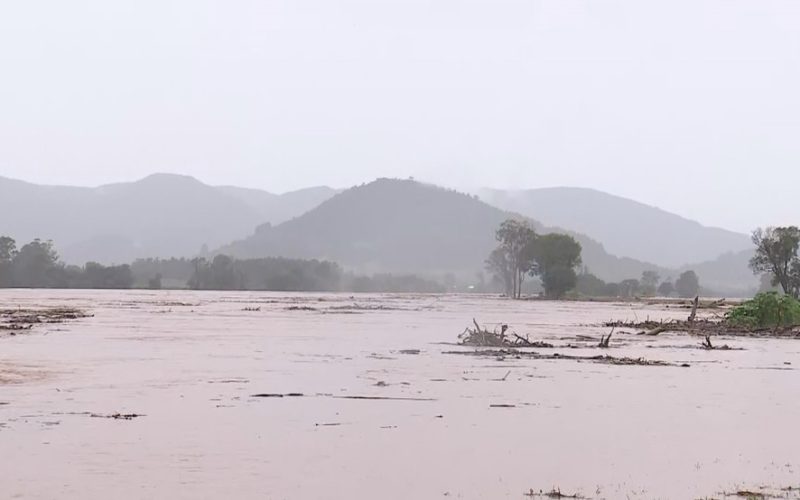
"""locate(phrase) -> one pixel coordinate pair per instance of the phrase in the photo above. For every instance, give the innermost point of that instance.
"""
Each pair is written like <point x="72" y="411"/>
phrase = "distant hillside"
<point x="625" y="227"/>
<point x="386" y="225"/>
<point x="728" y="274"/>
<point x="402" y="225"/>
<point x="161" y="215"/>
<point x="277" y="208"/>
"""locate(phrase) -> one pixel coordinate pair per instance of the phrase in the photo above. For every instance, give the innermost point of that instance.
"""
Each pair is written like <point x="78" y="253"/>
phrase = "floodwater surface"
<point x="302" y="396"/>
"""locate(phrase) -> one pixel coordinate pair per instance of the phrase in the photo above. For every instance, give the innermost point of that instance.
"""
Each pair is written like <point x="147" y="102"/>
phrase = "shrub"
<point x="766" y="310"/>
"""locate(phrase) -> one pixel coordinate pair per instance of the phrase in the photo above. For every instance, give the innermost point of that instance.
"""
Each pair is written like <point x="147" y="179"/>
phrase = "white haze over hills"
<point x="689" y="104"/>
<point x="162" y="215"/>
<point x="166" y="215"/>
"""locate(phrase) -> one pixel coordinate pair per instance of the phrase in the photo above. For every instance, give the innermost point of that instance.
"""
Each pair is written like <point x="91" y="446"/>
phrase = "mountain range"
<point x="162" y="215"/>
<point x="625" y="227"/>
<point x="401" y="225"/>
<point x="386" y="225"/>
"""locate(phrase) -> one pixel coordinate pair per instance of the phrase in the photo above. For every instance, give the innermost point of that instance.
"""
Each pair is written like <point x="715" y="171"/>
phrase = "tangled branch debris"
<point x="18" y="320"/>
<point x="554" y="493"/>
<point x="706" y="327"/>
<point x="481" y="337"/>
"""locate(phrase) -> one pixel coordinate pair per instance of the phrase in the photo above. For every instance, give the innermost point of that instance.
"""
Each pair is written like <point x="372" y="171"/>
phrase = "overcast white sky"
<point x="690" y="105"/>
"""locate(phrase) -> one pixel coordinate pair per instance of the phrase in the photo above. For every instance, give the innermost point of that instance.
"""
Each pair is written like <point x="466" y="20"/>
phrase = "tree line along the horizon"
<point x="555" y="259"/>
<point x="37" y="265"/>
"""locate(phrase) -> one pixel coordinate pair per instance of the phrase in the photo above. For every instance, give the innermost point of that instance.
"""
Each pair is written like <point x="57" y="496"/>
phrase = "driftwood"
<point x="15" y="321"/>
<point x="656" y="330"/>
<point x="693" y="315"/>
<point x="706" y="344"/>
<point x="605" y="340"/>
<point x="117" y="416"/>
<point x="701" y="326"/>
<point x="481" y="337"/>
<point x="554" y="493"/>
<point x="646" y="327"/>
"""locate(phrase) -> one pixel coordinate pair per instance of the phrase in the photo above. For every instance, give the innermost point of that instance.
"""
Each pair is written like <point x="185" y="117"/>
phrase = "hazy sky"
<point x="690" y="105"/>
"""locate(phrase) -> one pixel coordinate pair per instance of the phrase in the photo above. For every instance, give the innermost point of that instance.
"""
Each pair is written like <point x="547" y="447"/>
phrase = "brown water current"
<point x="326" y="396"/>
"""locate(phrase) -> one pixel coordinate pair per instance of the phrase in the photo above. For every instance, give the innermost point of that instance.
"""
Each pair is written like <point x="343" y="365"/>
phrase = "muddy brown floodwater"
<point x="280" y="396"/>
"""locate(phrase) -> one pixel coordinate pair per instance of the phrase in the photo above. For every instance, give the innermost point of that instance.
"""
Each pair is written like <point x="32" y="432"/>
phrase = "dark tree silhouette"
<point x="776" y="255"/>
<point x="687" y="285"/>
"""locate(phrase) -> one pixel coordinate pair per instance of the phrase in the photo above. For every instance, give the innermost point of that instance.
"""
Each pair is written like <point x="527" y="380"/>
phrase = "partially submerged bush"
<point x="766" y="310"/>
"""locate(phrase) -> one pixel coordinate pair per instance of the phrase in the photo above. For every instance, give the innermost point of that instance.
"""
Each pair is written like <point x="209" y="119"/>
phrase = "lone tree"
<point x="557" y="256"/>
<point x="776" y="255"/>
<point x="552" y="257"/>
<point x="687" y="285"/>
<point x="513" y="259"/>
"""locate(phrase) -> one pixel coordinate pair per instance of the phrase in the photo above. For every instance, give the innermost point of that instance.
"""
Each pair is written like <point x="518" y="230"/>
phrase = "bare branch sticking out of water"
<point x="604" y="341"/>
<point x="706" y="344"/>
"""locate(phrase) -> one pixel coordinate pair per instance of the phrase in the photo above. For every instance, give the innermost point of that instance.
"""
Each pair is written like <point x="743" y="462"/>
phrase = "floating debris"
<point x="501" y="354"/>
<point x="554" y="493"/>
<point x="301" y="308"/>
<point x="278" y="395"/>
<point x="15" y="321"/>
<point x="481" y="337"/>
<point x="383" y="398"/>
<point x="117" y="416"/>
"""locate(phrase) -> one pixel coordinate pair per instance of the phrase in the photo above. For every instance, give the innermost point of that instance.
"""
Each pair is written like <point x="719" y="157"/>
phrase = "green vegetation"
<point x="776" y="255"/>
<point x="766" y="310"/>
<point x="37" y="265"/>
<point x="686" y="286"/>
<point x="557" y="256"/>
<point x="522" y="252"/>
<point x="514" y="258"/>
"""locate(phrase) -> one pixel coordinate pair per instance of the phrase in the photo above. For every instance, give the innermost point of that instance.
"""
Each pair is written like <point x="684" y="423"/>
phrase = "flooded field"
<point x="260" y="395"/>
